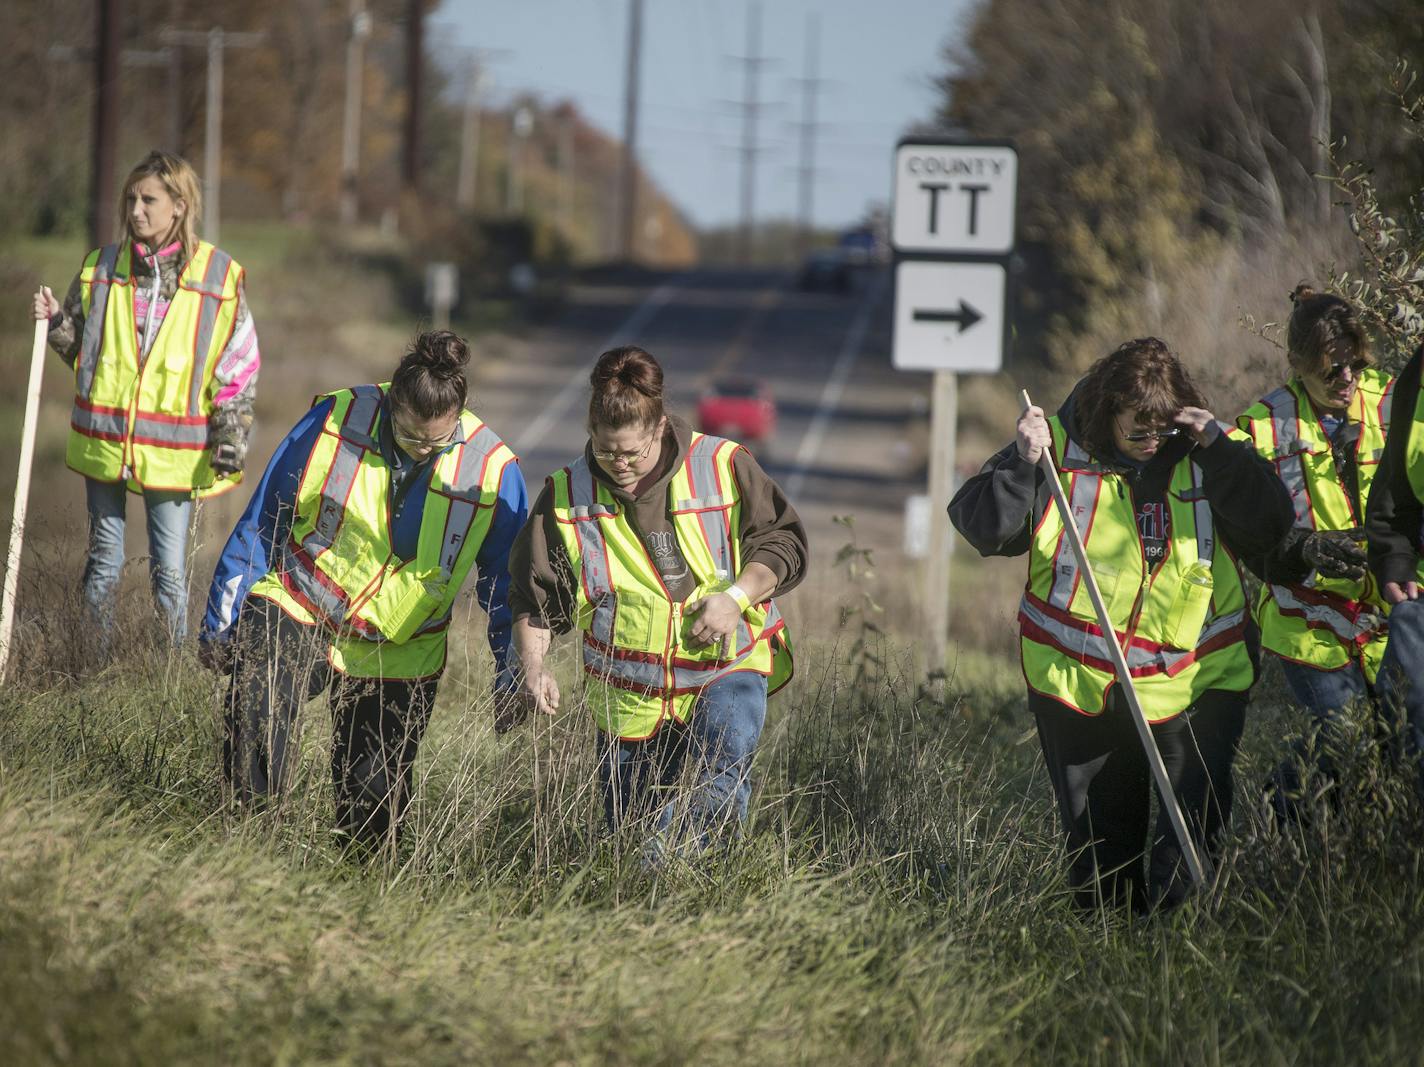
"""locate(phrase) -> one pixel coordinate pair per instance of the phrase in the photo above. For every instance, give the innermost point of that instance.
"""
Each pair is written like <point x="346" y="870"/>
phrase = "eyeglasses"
<point x="1335" y="371"/>
<point x="1151" y="435"/>
<point x="627" y="457"/>
<point x="406" y="441"/>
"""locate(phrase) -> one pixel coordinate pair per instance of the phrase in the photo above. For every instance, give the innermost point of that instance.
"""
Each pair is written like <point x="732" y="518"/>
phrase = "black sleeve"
<point x="1394" y="517"/>
<point x="1249" y="503"/>
<point x="994" y="509"/>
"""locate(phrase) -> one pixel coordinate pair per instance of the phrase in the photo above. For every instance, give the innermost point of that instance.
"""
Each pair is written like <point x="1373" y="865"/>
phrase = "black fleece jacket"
<point x="1394" y="516"/>
<point x="997" y="509"/>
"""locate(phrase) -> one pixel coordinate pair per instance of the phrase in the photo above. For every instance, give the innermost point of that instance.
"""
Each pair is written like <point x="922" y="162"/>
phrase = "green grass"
<point x="897" y="899"/>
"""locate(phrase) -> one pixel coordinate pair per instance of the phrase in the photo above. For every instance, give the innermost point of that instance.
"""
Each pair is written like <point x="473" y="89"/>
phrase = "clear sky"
<point x="878" y="57"/>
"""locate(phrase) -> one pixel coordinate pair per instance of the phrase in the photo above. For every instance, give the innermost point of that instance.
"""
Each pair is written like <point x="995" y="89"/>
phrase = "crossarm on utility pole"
<point x="1195" y="861"/>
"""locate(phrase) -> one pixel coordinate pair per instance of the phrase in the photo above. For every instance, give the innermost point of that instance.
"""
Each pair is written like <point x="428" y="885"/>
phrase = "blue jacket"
<point x="253" y="547"/>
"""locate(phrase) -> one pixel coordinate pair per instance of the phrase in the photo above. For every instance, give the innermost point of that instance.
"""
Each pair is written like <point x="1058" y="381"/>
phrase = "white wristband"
<point x="737" y="593"/>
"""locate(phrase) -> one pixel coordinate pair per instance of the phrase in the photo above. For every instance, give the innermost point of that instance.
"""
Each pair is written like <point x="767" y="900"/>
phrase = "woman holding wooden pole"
<point x="1163" y="501"/>
<point x="165" y="362"/>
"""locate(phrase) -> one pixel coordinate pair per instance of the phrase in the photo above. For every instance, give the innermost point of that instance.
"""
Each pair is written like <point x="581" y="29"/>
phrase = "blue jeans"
<point x="168" y="518"/>
<point x="639" y="778"/>
<point x="1326" y="695"/>
<point x="1401" y="677"/>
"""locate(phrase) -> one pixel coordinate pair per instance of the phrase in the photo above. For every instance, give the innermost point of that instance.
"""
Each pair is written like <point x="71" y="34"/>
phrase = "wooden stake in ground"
<point x="1195" y="861"/>
<point x="22" y="493"/>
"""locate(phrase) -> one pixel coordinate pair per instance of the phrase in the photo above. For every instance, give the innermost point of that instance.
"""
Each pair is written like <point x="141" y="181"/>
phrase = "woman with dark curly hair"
<point x="1164" y="501"/>
<point x="342" y="575"/>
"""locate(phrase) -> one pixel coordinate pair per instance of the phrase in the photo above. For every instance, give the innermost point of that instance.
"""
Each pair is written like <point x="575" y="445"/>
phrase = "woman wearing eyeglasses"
<point x="1321" y="614"/>
<point x="342" y="577"/>
<point x="1164" y="500"/>
<point x="664" y="547"/>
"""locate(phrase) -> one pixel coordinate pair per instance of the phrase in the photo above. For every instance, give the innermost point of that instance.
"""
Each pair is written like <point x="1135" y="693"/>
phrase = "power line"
<point x="751" y="107"/>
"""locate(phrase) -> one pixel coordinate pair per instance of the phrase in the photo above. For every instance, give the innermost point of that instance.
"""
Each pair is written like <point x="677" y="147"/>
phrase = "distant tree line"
<point x="282" y="124"/>
<point x="1155" y="133"/>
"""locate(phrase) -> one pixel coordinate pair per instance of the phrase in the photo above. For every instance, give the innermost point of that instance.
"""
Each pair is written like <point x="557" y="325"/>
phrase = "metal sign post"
<point x="952" y="229"/>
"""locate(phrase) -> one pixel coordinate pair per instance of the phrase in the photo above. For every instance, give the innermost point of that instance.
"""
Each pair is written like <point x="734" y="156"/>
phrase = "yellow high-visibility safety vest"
<point x="1325" y="623"/>
<point x="1180" y="626"/>
<point x="1414" y="468"/>
<point x="144" y="420"/>
<point x="387" y="617"/>
<point x="640" y="665"/>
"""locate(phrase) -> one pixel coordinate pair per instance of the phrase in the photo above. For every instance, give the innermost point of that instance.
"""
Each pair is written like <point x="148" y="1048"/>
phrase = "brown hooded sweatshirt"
<point x="543" y="584"/>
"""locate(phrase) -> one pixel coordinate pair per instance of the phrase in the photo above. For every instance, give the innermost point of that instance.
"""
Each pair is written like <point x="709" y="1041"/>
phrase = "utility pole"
<point x="476" y="80"/>
<point x="806" y="172"/>
<point x="216" y="40"/>
<point x="106" y="122"/>
<point x="628" y="183"/>
<point x="522" y="125"/>
<point x="751" y="108"/>
<point x="566" y="170"/>
<point x="351" y="119"/>
<point x="414" y="49"/>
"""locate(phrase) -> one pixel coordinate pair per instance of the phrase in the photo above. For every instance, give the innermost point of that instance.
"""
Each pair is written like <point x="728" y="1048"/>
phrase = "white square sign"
<point x="954" y="199"/>
<point x="949" y="316"/>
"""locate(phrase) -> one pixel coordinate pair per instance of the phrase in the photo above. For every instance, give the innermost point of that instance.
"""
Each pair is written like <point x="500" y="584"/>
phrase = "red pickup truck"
<point x="739" y="408"/>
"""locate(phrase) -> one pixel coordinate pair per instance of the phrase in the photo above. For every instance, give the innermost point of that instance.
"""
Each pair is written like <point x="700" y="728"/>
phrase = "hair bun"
<point x="1301" y="293"/>
<point x="440" y="352"/>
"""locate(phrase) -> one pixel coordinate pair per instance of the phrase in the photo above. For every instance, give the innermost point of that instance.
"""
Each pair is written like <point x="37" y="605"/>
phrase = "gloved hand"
<point x="226" y="459"/>
<point x="1336" y="553"/>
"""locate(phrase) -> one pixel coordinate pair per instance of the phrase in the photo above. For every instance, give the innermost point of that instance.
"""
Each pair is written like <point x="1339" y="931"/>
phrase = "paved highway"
<point x="849" y="436"/>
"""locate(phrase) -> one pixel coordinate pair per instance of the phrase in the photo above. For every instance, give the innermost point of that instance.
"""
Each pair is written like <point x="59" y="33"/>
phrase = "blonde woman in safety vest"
<point x="663" y="547"/>
<point x="1164" y="501"/>
<point x="1321" y="613"/>
<point x="1394" y="525"/>
<point x="344" y="572"/>
<point x="165" y="362"/>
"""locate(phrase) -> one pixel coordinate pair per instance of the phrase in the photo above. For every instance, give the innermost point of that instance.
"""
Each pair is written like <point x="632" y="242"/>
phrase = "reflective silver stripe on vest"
<point x="211" y="290"/>
<point x="1201" y="514"/>
<point x="1337" y="622"/>
<point x="360" y="422"/>
<point x="638" y="673"/>
<point x="177" y="434"/>
<point x="1078" y="641"/>
<point x="471" y="469"/>
<point x="1082" y="503"/>
<point x="114" y="424"/>
<point x="708" y="505"/>
<point x="1285" y="429"/>
<point x="94" y="323"/>
<point x="597" y="581"/>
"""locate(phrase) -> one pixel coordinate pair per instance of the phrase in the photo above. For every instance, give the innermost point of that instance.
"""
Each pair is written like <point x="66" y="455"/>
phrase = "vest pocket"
<point x="1189" y="607"/>
<point x="633" y="622"/>
<point x="411" y="609"/>
<point x="1119" y="587"/>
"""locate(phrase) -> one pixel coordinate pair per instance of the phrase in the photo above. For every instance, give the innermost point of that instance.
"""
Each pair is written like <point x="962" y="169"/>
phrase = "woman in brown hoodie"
<point x="664" y="547"/>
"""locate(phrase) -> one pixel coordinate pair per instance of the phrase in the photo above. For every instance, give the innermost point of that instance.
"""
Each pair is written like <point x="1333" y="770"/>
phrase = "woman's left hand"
<point x="717" y="618"/>
<point x="1200" y="423"/>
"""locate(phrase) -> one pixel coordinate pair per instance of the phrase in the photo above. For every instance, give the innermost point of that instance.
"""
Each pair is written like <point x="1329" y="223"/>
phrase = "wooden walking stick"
<point x="22" y="493"/>
<point x="1195" y="861"/>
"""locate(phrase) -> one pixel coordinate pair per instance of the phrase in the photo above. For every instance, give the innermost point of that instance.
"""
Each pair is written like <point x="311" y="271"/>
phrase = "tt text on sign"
<point x="954" y="199"/>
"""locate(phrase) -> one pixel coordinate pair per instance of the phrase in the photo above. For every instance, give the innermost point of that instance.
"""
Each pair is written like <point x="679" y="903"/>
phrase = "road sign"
<point x="954" y="199"/>
<point x="949" y="316"/>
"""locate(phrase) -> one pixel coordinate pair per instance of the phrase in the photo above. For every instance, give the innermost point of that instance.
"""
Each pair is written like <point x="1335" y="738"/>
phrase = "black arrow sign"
<point x="966" y="316"/>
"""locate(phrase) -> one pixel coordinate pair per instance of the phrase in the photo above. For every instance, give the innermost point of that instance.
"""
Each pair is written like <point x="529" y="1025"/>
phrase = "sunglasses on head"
<point x="1334" y="372"/>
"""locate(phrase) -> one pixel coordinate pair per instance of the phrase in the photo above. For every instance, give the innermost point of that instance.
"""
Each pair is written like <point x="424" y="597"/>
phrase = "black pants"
<point x="377" y="723"/>
<point x="1103" y="785"/>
